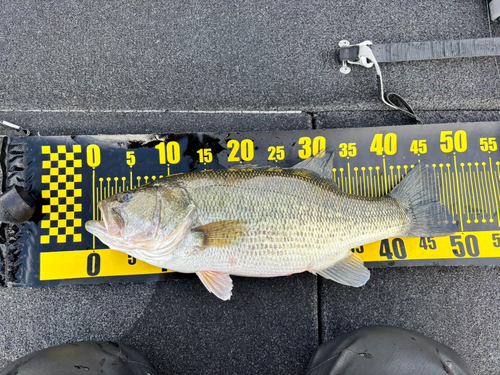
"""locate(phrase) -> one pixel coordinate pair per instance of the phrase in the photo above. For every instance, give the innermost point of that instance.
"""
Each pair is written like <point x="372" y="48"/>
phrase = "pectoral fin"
<point x="348" y="271"/>
<point x="221" y="233"/>
<point x="217" y="283"/>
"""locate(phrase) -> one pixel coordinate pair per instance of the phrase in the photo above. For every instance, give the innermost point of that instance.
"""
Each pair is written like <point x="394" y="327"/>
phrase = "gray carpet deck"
<point x="88" y="68"/>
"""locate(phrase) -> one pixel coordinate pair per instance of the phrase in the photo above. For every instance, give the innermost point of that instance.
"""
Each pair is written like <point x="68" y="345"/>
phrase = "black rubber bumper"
<point x="87" y="357"/>
<point x="385" y="350"/>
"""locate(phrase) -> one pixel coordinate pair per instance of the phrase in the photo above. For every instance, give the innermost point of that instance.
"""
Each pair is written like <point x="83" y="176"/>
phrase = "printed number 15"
<point x="205" y="155"/>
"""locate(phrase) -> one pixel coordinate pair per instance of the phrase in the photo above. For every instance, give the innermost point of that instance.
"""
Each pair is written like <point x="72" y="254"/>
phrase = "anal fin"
<point x="348" y="271"/>
<point x="218" y="283"/>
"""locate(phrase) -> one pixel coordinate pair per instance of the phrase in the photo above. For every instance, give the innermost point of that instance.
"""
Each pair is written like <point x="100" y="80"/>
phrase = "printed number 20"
<point x="247" y="150"/>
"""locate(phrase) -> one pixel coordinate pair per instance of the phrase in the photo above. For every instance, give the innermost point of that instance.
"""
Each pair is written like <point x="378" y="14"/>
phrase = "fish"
<point x="266" y="222"/>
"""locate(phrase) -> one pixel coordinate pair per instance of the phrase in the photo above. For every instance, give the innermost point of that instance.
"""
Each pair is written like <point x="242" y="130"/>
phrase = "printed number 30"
<point x="311" y="148"/>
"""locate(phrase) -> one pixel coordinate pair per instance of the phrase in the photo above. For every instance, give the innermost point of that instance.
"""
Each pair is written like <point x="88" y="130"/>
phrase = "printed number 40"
<point x="394" y="249"/>
<point x="387" y="144"/>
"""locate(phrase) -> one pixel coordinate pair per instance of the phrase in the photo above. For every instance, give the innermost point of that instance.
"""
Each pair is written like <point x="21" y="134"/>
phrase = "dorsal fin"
<point x="321" y="163"/>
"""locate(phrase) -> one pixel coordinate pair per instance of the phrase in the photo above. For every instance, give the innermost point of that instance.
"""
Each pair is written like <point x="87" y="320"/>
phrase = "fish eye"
<point x="125" y="197"/>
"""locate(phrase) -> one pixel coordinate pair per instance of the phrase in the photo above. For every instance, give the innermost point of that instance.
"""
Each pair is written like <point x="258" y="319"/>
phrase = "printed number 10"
<point x="170" y="152"/>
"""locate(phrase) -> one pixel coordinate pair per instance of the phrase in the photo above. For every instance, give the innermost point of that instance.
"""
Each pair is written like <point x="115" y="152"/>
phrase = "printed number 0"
<point x="93" y="156"/>
<point x="93" y="264"/>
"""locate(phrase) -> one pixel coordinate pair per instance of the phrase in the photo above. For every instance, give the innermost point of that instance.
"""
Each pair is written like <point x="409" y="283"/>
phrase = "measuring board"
<point x="68" y="176"/>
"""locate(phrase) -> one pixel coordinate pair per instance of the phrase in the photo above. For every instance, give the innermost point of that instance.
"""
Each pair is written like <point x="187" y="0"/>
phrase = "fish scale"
<point x="301" y="219"/>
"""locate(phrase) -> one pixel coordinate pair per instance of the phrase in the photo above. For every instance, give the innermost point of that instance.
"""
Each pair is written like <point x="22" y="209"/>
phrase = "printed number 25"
<point x="276" y="153"/>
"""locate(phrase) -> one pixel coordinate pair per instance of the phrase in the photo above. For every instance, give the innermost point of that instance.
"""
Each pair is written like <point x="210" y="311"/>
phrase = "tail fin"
<point x="418" y="193"/>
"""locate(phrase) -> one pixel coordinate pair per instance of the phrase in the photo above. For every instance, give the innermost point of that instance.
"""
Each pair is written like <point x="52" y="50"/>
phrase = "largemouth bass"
<point x="265" y="222"/>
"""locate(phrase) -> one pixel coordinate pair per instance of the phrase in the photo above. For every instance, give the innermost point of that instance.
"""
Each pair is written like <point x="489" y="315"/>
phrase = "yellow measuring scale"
<point x="78" y="172"/>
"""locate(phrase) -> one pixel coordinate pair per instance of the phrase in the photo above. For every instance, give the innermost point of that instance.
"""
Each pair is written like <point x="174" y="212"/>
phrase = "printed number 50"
<point x="471" y="246"/>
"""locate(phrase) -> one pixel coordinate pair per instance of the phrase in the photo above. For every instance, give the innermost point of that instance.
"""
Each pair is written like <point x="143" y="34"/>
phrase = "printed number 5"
<point x="496" y="240"/>
<point x="130" y="158"/>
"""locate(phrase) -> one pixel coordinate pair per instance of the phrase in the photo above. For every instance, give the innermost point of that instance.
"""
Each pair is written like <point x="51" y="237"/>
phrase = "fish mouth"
<point x="112" y="223"/>
<point x="112" y="218"/>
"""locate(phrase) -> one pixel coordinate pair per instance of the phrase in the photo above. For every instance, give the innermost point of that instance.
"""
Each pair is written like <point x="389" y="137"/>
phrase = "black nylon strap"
<point x="441" y="49"/>
<point x="397" y="102"/>
<point x="349" y="53"/>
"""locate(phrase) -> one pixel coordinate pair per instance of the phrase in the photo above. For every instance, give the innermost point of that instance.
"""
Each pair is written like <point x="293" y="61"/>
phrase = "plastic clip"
<point x="362" y="54"/>
<point x="16" y="127"/>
